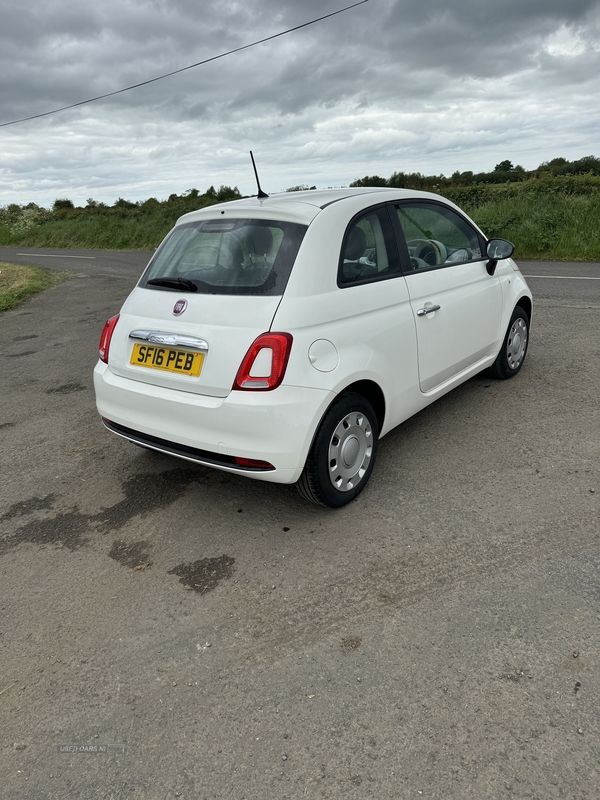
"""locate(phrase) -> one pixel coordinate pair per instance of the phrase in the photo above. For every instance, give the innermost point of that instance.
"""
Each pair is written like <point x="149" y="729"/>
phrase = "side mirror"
<point x="498" y="249"/>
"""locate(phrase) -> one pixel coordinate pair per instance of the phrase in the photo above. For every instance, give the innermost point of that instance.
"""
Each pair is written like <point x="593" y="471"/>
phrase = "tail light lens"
<point x="252" y="463"/>
<point x="106" y="337"/>
<point x="263" y="367"/>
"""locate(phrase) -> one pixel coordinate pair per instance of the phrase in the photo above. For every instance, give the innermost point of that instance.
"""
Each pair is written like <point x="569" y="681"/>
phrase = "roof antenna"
<point x="260" y="194"/>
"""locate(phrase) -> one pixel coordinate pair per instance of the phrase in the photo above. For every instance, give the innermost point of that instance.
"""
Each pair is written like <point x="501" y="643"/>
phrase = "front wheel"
<point x="343" y="453"/>
<point x="514" y="347"/>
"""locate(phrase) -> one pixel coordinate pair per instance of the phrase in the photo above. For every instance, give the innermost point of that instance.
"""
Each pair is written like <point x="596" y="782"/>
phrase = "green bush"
<point x="123" y="226"/>
<point x="551" y="212"/>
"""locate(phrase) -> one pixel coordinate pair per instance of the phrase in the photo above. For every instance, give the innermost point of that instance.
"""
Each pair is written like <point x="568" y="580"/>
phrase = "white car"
<point x="281" y="337"/>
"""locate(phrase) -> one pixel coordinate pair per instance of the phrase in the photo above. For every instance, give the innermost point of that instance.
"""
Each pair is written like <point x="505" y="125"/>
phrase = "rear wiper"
<point x="174" y="283"/>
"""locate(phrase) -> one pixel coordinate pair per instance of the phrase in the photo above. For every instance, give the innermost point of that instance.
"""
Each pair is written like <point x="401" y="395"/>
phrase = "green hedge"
<point x="546" y="216"/>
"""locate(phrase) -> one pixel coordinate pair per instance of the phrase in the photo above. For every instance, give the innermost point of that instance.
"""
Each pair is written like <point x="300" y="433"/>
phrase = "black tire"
<point x="343" y="453"/>
<point x="514" y="347"/>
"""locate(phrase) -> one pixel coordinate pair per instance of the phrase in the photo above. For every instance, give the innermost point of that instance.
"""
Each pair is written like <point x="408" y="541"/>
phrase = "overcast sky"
<point x="391" y="85"/>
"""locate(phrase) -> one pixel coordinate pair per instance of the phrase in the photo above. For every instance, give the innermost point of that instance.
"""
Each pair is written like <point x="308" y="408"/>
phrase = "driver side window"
<point x="437" y="236"/>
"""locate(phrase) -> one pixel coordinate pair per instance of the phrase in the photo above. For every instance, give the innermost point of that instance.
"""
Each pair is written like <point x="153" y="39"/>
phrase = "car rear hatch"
<point x="216" y="330"/>
<point x="211" y="289"/>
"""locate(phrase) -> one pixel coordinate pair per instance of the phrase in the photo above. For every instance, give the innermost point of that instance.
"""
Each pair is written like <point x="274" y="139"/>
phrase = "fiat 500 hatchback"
<point x="281" y="337"/>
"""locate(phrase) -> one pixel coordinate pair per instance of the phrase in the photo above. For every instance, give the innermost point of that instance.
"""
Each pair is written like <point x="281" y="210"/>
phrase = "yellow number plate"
<point x="180" y="361"/>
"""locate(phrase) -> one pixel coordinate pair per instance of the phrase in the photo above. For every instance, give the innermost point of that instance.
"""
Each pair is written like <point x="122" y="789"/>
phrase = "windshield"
<point x="242" y="256"/>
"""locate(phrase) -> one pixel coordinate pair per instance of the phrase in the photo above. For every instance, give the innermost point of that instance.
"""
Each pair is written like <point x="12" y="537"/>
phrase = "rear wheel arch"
<point x="368" y="389"/>
<point x="372" y="392"/>
<point x="342" y="453"/>
<point x="312" y="484"/>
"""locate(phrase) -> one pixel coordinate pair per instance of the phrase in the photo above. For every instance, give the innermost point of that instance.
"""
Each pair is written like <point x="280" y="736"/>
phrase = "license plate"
<point x="182" y="362"/>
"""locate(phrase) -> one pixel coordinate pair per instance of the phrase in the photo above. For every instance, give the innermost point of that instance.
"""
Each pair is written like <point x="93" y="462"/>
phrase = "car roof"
<point x="303" y="206"/>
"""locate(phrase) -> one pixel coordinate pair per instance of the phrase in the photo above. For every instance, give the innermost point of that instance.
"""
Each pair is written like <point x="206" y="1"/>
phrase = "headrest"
<point x="259" y="240"/>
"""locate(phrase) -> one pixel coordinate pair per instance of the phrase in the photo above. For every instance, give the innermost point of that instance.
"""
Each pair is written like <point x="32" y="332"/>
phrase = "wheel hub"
<point x="350" y="451"/>
<point x="517" y="343"/>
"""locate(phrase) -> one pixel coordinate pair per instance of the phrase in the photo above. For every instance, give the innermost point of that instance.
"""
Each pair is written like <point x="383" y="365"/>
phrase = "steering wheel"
<point x="418" y="263"/>
<point x="429" y="251"/>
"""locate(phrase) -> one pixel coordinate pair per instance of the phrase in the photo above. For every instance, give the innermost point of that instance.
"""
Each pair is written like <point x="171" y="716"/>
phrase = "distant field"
<point x="546" y="217"/>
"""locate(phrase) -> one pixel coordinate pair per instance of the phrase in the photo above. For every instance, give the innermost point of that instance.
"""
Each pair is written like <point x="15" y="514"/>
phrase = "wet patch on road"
<point x="71" y="529"/>
<point x="20" y="355"/>
<point x="25" y="338"/>
<point x="67" y="388"/>
<point x="146" y="493"/>
<point x="66" y="529"/>
<point x="133" y="555"/>
<point x="4" y="425"/>
<point x="24" y="507"/>
<point x="205" y="575"/>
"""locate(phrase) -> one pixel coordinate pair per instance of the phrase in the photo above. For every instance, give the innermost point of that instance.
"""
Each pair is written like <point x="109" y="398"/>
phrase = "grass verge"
<point x="18" y="282"/>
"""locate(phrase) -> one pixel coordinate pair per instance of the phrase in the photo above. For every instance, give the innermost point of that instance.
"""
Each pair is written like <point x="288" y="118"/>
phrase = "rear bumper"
<point x="276" y="427"/>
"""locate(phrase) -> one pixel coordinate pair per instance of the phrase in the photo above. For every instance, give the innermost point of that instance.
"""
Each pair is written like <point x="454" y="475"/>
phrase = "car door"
<point x="456" y="304"/>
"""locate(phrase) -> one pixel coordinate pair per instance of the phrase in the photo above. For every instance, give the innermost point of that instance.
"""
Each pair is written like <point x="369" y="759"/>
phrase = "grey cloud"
<point x="81" y="52"/>
<point x="386" y="80"/>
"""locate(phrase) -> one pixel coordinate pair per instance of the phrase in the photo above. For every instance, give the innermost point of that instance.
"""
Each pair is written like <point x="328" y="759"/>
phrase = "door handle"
<point x="422" y="312"/>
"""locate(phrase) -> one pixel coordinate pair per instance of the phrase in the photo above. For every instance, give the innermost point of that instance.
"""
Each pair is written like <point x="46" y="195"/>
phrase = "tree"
<point x="587" y="164"/>
<point x="504" y="166"/>
<point x="61" y="204"/>
<point x="226" y="193"/>
<point x="370" y="180"/>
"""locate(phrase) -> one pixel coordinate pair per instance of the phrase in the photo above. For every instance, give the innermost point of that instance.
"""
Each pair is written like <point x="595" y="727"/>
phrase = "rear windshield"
<point x="242" y="256"/>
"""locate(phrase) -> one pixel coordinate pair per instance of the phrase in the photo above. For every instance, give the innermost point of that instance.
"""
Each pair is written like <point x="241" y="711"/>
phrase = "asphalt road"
<point x="220" y="638"/>
<point x="127" y="264"/>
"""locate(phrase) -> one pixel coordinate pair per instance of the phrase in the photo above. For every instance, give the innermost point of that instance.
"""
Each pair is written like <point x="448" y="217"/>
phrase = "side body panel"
<point x="466" y="328"/>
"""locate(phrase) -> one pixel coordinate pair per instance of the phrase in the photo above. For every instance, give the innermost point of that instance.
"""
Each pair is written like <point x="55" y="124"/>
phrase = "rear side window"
<point x="242" y="256"/>
<point x="368" y="251"/>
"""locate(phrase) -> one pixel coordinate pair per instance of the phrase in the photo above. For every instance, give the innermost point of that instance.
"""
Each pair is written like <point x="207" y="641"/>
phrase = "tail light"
<point x="106" y="337"/>
<point x="264" y="364"/>
<point x="252" y="463"/>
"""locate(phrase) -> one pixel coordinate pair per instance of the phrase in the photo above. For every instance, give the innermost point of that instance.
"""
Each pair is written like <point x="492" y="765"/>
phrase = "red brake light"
<point x="253" y="463"/>
<point x="106" y="337"/>
<point x="267" y="358"/>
